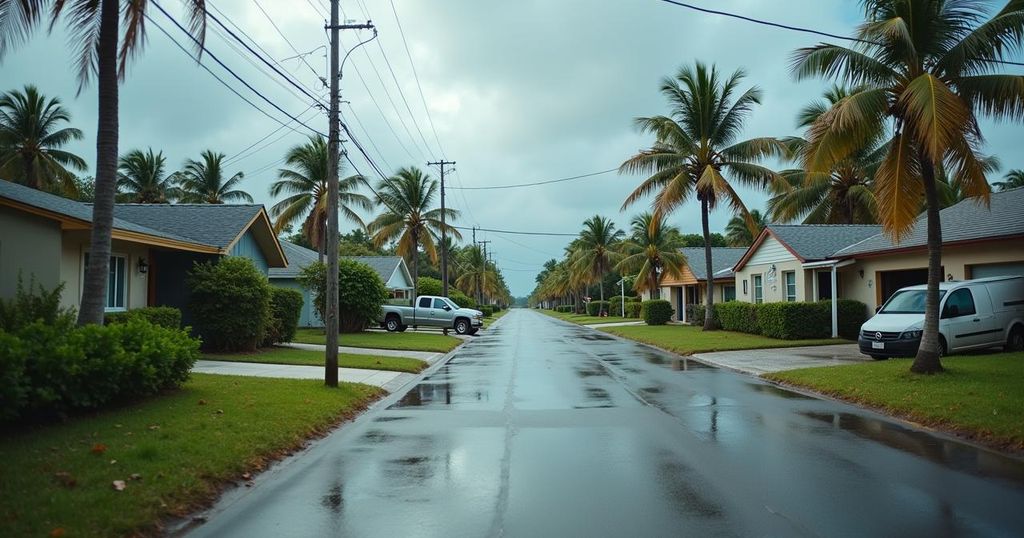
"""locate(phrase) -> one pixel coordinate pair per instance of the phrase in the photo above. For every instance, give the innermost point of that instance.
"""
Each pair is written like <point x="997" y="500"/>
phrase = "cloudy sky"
<point x="517" y="92"/>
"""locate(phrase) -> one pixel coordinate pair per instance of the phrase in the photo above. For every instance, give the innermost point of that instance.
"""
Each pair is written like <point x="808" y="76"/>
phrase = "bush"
<point x="230" y="304"/>
<point x="34" y="304"/>
<point x="285" y="311"/>
<point x="595" y="308"/>
<point x="460" y="298"/>
<point x="615" y="304"/>
<point x="361" y="293"/>
<point x="430" y="286"/>
<point x="656" y="312"/>
<point x="852" y="314"/>
<point x="695" y="314"/>
<point x="161" y="316"/>
<point x="738" y="316"/>
<point x="565" y="308"/>
<point x="48" y="369"/>
<point x="633" y="309"/>
<point x="487" y="309"/>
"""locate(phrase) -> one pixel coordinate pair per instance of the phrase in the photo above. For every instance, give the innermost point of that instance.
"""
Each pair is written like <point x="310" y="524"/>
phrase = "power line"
<point x="557" y="234"/>
<point x="548" y="182"/>
<point x="286" y="40"/>
<point x="368" y="137"/>
<point x="416" y="76"/>
<point x="238" y="155"/>
<point x="528" y="247"/>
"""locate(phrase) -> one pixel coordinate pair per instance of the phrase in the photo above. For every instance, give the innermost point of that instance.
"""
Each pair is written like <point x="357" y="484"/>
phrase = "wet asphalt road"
<point x="542" y="428"/>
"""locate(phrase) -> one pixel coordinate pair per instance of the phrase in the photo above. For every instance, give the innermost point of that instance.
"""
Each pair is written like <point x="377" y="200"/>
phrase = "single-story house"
<point x="46" y="238"/>
<point x="691" y="287"/>
<point x="391" y="269"/>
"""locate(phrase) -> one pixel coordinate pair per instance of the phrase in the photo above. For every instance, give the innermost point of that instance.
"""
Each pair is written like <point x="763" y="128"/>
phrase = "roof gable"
<point x="809" y="242"/>
<point x="301" y="257"/>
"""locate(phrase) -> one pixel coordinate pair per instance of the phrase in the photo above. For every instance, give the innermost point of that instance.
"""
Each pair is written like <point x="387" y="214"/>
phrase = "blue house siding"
<point x="248" y="247"/>
<point x="309" y="317"/>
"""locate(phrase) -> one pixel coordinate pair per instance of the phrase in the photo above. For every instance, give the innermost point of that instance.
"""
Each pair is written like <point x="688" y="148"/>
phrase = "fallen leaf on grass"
<point x="65" y="479"/>
<point x="113" y="462"/>
<point x="119" y="485"/>
<point x="246" y="476"/>
<point x="98" y="448"/>
<point x="154" y="427"/>
<point x="202" y="402"/>
<point x="57" y="532"/>
<point x="136" y="476"/>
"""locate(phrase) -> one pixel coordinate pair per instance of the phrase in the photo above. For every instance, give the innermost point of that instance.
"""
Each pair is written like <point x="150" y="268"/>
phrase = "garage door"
<point x="997" y="269"/>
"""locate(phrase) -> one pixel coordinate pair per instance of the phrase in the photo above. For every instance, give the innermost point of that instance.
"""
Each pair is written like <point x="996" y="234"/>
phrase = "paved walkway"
<point x="428" y="356"/>
<point x="761" y="361"/>
<point x="613" y="324"/>
<point x="389" y="381"/>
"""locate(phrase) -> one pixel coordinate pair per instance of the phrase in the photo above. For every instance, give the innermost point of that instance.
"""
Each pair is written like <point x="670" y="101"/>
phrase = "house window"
<point x="758" y="290"/>
<point x="790" y="278"/>
<point x="744" y="286"/>
<point x="728" y="293"/>
<point x="117" y="287"/>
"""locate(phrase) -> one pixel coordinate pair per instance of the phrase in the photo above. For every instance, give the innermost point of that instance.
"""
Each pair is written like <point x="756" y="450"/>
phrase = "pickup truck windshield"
<point x="907" y="302"/>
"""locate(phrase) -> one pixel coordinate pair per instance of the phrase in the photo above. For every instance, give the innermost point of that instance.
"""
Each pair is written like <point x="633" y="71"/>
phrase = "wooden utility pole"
<point x="483" y="275"/>
<point x="444" y="233"/>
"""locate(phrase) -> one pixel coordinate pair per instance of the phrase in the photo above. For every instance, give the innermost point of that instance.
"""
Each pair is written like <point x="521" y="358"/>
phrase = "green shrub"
<point x="852" y="314"/>
<point x="34" y="304"/>
<point x="47" y="369"/>
<point x="162" y="316"/>
<point x="429" y="286"/>
<point x="656" y="312"/>
<point x="595" y="308"/>
<point x="487" y="309"/>
<point x="285" y="311"/>
<point x="361" y="293"/>
<point x="615" y="304"/>
<point x="633" y="309"/>
<point x="695" y="314"/>
<point x="230" y="304"/>
<point x="794" y="321"/>
<point x="460" y="298"/>
<point x="565" y="308"/>
<point x="738" y="316"/>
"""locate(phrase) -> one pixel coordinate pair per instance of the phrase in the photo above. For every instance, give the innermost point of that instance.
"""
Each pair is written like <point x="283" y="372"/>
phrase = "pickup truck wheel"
<point x="462" y="326"/>
<point x="392" y="323"/>
<point x="1015" y="342"/>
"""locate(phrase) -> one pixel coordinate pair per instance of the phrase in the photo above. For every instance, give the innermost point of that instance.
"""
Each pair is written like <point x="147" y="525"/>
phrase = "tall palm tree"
<point x="930" y="70"/>
<point x="597" y="249"/>
<point x="740" y="233"/>
<point x="141" y="178"/>
<point x="1012" y="180"/>
<point x="31" y="135"/>
<point x="696" y="148"/>
<point x="95" y="26"/>
<point x="477" y="276"/>
<point x="204" y="183"/>
<point x="651" y="250"/>
<point x="306" y="183"/>
<point x="409" y="216"/>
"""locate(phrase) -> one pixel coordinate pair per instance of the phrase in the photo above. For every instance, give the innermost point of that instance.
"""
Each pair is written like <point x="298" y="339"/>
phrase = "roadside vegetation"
<point x="285" y="355"/>
<point x="689" y="339"/>
<point x="584" y="319"/>
<point x="120" y="472"/>
<point x="407" y="341"/>
<point x="980" y="397"/>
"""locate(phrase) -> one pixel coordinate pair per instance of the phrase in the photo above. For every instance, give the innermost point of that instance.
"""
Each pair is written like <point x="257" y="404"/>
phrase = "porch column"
<point x="682" y="307"/>
<point x="835" y="303"/>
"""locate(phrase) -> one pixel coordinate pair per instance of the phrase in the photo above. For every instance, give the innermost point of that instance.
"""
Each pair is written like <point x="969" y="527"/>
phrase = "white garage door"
<point x="997" y="269"/>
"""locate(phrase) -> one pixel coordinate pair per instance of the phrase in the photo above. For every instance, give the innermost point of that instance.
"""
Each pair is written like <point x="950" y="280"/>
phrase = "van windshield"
<point x="907" y="302"/>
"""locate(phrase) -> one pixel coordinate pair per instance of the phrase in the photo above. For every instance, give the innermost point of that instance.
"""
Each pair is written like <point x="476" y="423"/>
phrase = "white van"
<point x="974" y="314"/>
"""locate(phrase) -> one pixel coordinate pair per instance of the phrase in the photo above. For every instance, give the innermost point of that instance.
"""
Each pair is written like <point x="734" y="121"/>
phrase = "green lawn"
<point x="687" y="339"/>
<point x="583" y="319"/>
<point x="181" y="449"/>
<point x="407" y="341"/>
<point x="978" y="396"/>
<point x="287" y="355"/>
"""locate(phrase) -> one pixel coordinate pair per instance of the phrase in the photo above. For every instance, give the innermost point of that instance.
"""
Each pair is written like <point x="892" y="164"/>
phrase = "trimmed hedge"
<point x="565" y="308"/>
<point x="230" y="304"/>
<point x="285" y="311"/>
<point x="633" y="309"/>
<point x="487" y="309"/>
<point x="792" y="321"/>
<point x="460" y="298"/>
<point x="695" y="314"/>
<point x="594" y="308"/>
<point x="738" y="316"/>
<point x="615" y="304"/>
<point x="161" y="316"/>
<point x="656" y="312"/>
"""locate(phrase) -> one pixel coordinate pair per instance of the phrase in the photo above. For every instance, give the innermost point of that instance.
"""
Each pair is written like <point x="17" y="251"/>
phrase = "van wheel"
<point x="942" y="346"/>
<point x="392" y="323"/>
<point x="879" y="357"/>
<point x="1015" y="342"/>
<point x="462" y="326"/>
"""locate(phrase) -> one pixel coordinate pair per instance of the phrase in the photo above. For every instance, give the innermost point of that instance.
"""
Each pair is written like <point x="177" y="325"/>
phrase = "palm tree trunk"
<point x="928" y="356"/>
<point x="601" y="285"/>
<point x="94" y="287"/>
<point x="709" y="312"/>
<point x="321" y="248"/>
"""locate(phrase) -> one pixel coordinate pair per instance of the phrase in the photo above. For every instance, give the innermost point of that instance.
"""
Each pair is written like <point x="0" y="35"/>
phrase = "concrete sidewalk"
<point x="613" y="324"/>
<point x="762" y="361"/>
<point x="429" y="356"/>
<point x="389" y="381"/>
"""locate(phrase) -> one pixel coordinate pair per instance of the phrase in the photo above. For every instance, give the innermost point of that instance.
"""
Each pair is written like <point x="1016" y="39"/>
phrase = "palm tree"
<point x="651" y="250"/>
<point x="477" y="277"/>
<point x="843" y="194"/>
<point x="30" y="140"/>
<point x="1012" y="180"/>
<point x="409" y="216"/>
<point x="204" y="183"/>
<point x="141" y="178"/>
<point x="306" y="183"/>
<point x="597" y="249"/>
<point x="696" y="144"/>
<point x="740" y="233"/>
<point x="95" y="26"/>
<point x="931" y="69"/>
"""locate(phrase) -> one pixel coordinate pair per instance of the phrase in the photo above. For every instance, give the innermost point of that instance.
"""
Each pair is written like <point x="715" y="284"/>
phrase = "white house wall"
<point x="770" y="251"/>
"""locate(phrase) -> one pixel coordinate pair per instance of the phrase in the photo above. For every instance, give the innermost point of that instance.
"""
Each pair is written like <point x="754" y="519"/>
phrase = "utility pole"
<point x="444" y="233"/>
<point x="334" y="151"/>
<point x="484" y="274"/>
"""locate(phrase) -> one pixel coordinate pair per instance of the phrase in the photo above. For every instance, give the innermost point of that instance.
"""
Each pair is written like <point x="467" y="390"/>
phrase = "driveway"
<point x="544" y="428"/>
<point x="761" y="361"/>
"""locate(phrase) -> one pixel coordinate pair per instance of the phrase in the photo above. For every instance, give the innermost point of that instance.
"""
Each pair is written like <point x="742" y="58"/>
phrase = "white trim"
<point x="828" y="263"/>
<point x="126" y="276"/>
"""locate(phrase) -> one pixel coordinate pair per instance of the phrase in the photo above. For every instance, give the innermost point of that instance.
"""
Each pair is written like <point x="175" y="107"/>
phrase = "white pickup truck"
<point x="974" y="314"/>
<point x="432" y="311"/>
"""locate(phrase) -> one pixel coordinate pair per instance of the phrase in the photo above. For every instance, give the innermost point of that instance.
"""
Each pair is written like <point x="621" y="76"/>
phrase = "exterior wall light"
<point x="143" y="266"/>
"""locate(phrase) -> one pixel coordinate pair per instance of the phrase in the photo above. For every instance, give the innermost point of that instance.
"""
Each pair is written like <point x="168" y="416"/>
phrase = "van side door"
<point x="963" y="321"/>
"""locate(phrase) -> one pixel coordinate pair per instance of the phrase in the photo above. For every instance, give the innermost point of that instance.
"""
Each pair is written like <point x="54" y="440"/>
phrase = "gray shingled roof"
<point x="300" y="257"/>
<point x="965" y="221"/>
<point x="79" y="210"/>
<point x="821" y="241"/>
<point x="722" y="259"/>
<point x="211" y="224"/>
